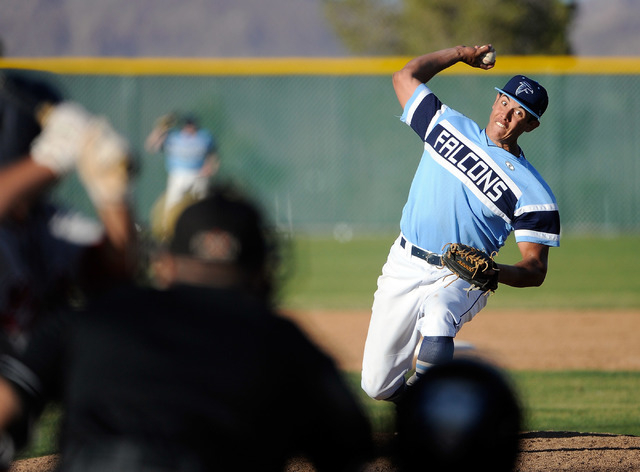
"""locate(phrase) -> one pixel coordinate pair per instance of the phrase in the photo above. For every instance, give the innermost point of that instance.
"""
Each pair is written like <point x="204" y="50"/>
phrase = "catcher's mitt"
<point x="472" y="265"/>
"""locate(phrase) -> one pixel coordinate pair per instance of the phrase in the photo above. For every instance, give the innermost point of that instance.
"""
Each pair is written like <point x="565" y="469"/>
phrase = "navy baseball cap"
<point x="528" y="93"/>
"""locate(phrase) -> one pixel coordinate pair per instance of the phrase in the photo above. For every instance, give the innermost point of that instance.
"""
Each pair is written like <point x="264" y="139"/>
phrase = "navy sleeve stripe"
<point x="541" y="221"/>
<point x="424" y="113"/>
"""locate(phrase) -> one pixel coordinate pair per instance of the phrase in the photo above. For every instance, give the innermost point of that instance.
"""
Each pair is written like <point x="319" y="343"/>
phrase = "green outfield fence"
<point x="319" y="141"/>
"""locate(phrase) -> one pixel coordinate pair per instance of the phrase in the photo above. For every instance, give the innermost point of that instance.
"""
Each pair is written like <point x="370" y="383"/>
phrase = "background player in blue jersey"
<point x="472" y="186"/>
<point x="191" y="160"/>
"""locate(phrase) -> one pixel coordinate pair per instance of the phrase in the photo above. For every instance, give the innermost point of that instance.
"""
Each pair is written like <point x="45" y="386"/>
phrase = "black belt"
<point x="431" y="257"/>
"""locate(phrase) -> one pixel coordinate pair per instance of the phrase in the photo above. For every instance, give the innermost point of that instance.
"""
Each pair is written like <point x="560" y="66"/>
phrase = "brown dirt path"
<point x="543" y="340"/>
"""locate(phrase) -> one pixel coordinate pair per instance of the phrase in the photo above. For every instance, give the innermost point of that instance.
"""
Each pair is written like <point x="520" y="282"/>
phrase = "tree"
<point x="413" y="27"/>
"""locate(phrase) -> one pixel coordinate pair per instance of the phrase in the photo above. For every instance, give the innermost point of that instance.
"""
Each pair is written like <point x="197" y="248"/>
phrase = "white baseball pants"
<point x="413" y="299"/>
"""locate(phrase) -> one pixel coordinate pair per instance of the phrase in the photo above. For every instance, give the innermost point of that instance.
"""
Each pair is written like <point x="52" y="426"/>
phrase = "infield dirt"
<point x="545" y="340"/>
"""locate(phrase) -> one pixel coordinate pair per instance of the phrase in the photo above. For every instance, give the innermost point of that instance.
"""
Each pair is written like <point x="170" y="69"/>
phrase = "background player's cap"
<point x="223" y="228"/>
<point x="528" y="93"/>
<point x="190" y="119"/>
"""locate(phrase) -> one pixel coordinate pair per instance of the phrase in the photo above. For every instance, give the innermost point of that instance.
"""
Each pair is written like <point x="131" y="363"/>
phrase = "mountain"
<point x="164" y="28"/>
<point x="607" y="28"/>
<point x="238" y="28"/>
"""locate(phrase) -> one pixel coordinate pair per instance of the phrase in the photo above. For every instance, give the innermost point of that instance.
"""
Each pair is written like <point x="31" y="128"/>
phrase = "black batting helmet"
<point x="20" y="97"/>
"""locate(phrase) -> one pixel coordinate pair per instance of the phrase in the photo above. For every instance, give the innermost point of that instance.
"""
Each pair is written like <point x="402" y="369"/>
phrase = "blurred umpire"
<point x="52" y="257"/>
<point x="198" y="374"/>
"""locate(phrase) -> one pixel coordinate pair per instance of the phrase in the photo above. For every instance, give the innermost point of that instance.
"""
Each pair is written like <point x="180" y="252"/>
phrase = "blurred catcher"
<point x="180" y="392"/>
<point x="51" y="257"/>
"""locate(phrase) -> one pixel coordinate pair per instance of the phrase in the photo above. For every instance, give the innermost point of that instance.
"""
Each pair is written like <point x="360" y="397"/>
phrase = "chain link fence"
<point x="326" y="153"/>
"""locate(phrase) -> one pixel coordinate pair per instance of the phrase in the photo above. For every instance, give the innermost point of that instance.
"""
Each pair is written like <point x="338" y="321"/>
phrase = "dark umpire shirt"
<point x="194" y="379"/>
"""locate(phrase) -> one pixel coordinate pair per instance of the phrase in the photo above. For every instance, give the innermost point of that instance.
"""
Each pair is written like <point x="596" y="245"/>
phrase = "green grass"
<point x="325" y="273"/>
<point x="44" y="439"/>
<point x="591" y="273"/>
<point x="582" y="401"/>
<point x="584" y="273"/>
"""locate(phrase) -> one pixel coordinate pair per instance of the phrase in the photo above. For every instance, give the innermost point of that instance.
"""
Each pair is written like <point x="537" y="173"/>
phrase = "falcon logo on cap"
<point x="524" y="87"/>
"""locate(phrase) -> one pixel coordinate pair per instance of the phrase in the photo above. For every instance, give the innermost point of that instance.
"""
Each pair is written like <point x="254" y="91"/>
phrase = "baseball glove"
<point x="166" y="122"/>
<point x="472" y="265"/>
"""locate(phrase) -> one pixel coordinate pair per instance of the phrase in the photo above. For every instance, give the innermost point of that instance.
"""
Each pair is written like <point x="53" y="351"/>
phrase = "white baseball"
<point x="489" y="57"/>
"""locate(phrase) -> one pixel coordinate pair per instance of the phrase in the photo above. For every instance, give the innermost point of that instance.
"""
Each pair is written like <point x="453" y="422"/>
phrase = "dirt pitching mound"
<point x="541" y="451"/>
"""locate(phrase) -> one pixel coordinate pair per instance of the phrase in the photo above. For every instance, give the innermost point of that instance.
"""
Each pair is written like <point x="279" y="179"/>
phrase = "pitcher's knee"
<point x="379" y="389"/>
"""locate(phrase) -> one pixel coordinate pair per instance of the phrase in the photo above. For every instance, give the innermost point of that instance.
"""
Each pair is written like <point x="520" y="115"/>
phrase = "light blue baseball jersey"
<point x="468" y="190"/>
<point x="186" y="151"/>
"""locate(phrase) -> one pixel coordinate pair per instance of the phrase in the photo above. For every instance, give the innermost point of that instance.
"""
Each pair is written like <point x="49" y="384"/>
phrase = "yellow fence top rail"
<point x="506" y="65"/>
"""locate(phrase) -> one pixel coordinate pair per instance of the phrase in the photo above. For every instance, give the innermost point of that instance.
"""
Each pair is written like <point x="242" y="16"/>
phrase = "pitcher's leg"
<point x="392" y="335"/>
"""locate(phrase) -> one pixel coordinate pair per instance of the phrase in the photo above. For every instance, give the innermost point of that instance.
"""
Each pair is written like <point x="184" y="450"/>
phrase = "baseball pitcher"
<point x="472" y="188"/>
